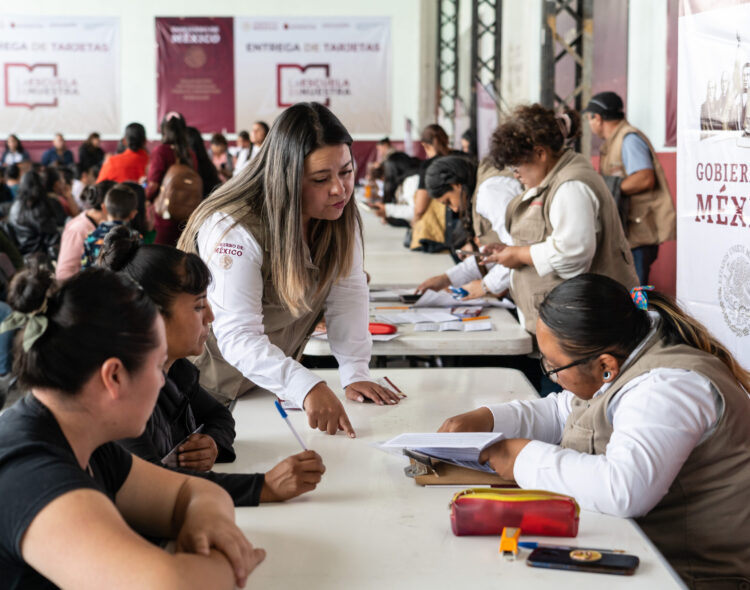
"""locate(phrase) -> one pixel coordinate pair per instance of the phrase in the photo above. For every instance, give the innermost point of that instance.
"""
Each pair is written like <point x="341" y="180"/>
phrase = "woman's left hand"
<point x="502" y="456"/>
<point x="367" y="390"/>
<point x="207" y="529"/>
<point x="475" y="290"/>
<point x="198" y="452"/>
<point x="512" y="257"/>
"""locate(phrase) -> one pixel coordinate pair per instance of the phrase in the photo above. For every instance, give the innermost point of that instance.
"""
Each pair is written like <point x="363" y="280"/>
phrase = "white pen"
<point x="289" y="424"/>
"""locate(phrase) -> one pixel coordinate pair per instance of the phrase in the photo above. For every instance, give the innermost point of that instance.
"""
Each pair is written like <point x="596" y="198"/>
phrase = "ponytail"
<point x="678" y="327"/>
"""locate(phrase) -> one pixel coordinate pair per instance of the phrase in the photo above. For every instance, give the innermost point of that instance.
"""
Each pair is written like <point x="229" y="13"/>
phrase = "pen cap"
<point x="277" y="403"/>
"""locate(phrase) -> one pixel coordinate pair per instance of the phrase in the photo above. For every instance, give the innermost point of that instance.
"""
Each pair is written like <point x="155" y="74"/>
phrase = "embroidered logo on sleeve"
<point x="227" y="253"/>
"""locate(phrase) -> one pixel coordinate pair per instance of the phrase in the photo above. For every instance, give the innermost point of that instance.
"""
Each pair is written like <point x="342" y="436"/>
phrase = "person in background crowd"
<point x="258" y="133"/>
<point x="220" y="157"/>
<point x="243" y="153"/>
<point x="90" y="152"/>
<point x="120" y="206"/>
<point x="143" y="222"/>
<point x="83" y="178"/>
<point x="469" y="143"/>
<point x="495" y="188"/>
<point x="14" y="152"/>
<point x="58" y="154"/>
<point x="12" y="178"/>
<point x="206" y="169"/>
<point x="628" y="154"/>
<point x="33" y="218"/>
<point x="130" y="165"/>
<point x="434" y="140"/>
<point x="177" y="283"/>
<point x="565" y="223"/>
<point x="94" y="365"/>
<point x="383" y="149"/>
<point x="652" y="424"/>
<point x="77" y="229"/>
<point x="290" y="211"/>
<point x="174" y="148"/>
<point x="6" y="195"/>
<point x="60" y="191"/>
<point x="401" y="179"/>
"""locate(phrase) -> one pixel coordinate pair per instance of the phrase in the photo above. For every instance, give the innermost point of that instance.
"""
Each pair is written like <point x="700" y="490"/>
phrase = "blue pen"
<point x="530" y="545"/>
<point x="289" y="424"/>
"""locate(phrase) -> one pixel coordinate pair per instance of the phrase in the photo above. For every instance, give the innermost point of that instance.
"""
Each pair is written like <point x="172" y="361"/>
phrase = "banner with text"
<point x="195" y="68"/>
<point x="344" y="63"/>
<point x="59" y="74"/>
<point x="713" y="169"/>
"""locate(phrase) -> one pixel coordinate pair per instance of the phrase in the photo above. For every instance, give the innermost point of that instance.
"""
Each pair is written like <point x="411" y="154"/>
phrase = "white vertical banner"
<point x="341" y="62"/>
<point x="713" y="169"/>
<point x="60" y="74"/>
<point x="486" y="118"/>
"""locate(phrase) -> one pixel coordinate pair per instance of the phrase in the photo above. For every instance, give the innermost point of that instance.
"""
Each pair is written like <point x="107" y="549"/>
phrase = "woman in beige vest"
<point x="653" y="423"/>
<point x="565" y="223"/>
<point x="284" y="245"/>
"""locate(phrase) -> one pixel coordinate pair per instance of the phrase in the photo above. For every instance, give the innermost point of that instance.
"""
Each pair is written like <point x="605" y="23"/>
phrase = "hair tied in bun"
<point x="119" y="247"/>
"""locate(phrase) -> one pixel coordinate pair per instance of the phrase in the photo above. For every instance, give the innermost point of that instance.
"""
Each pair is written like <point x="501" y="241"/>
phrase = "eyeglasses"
<point x="551" y="374"/>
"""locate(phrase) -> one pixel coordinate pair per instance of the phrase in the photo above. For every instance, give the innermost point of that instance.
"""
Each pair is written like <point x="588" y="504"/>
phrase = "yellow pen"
<point x="479" y="317"/>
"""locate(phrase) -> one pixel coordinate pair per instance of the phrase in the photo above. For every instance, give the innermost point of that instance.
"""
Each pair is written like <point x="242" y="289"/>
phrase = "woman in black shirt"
<point x="92" y="351"/>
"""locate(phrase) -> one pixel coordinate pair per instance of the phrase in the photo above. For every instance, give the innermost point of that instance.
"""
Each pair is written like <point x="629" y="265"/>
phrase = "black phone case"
<point x="610" y="563"/>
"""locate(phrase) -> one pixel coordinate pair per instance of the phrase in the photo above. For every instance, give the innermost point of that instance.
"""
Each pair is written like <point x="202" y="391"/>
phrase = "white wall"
<point x="523" y="38"/>
<point x="138" y="44"/>
<point x="647" y="69"/>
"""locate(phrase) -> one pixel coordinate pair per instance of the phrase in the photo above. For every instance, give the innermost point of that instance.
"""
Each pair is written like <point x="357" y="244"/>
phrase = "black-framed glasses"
<point x="551" y="374"/>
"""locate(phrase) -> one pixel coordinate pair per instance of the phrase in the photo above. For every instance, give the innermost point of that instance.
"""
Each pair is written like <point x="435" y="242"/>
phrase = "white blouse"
<point x="235" y="294"/>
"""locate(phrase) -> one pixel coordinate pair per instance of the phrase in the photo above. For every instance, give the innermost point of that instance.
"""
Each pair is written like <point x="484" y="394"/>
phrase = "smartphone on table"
<point x="584" y="560"/>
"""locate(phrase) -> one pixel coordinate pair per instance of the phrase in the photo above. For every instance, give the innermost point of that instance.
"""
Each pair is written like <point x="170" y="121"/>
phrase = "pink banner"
<point x="195" y="65"/>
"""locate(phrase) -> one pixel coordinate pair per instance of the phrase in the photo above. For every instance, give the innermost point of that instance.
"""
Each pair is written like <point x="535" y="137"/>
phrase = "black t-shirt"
<point x="38" y="465"/>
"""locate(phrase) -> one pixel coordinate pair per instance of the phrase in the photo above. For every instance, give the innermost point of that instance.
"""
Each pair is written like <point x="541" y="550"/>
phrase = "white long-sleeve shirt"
<point x="235" y="294"/>
<point x="403" y="208"/>
<point x="493" y="197"/>
<point x="574" y="216"/>
<point x="658" y="419"/>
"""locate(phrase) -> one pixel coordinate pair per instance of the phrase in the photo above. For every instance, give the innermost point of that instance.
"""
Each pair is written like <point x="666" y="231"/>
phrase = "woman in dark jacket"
<point x="189" y="430"/>
<point x="33" y="218"/>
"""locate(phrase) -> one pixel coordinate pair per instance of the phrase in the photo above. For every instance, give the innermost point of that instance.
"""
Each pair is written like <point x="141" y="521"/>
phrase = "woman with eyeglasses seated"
<point x="76" y="506"/>
<point x="566" y="222"/>
<point x="653" y="423"/>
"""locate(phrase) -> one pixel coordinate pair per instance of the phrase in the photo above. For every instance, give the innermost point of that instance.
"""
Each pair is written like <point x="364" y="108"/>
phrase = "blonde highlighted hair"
<point x="267" y="193"/>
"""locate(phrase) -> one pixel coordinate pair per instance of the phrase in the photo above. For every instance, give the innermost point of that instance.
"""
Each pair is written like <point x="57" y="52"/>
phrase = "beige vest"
<point x="702" y="525"/>
<point x="482" y="226"/>
<point x="651" y="218"/>
<point x="285" y="331"/>
<point x="528" y="223"/>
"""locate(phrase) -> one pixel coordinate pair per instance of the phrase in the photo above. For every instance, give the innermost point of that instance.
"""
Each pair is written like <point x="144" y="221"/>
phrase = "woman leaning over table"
<point x="284" y="245"/>
<point x="75" y="504"/>
<point x="653" y="423"/>
<point x="566" y="222"/>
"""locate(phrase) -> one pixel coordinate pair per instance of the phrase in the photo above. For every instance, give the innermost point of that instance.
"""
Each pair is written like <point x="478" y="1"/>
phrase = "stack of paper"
<point x="455" y="326"/>
<point x="458" y="448"/>
<point x="416" y="317"/>
<point x="444" y="299"/>
<point x="389" y="294"/>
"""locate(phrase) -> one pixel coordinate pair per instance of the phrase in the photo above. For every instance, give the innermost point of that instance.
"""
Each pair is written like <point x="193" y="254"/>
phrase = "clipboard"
<point x="428" y="471"/>
<point x="170" y="459"/>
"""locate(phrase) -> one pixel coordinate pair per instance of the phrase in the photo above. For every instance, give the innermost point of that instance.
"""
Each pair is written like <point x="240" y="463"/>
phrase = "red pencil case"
<point x="378" y="328"/>
<point x="485" y="511"/>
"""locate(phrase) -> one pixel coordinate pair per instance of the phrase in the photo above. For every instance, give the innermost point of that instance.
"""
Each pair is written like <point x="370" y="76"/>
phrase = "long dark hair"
<point x="269" y="190"/>
<point x="206" y="169"/>
<point x="85" y="327"/>
<point x="396" y="168"/>
<point x="31" y="190"/>
<point x="19" y="148"/>
<point x="174" y="133"/>
<point x="135" y="136"/>
<point x="164" y="272"/>
<point x="591" y="314"/>
<point x="446" y="171"/>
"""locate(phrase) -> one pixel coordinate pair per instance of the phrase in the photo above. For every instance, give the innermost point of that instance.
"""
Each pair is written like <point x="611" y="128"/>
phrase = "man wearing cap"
<point x="628" y="154"/>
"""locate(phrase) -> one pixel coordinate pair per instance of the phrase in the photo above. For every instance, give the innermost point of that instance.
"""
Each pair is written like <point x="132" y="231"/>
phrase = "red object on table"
<point x="378" y="328"/>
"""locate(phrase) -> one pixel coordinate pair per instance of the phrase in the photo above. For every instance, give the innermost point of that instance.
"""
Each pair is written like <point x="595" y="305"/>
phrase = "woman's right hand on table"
<point x="435" y="283"/>
<point x="326" y="412"/>
<point x="479" y="420"/>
